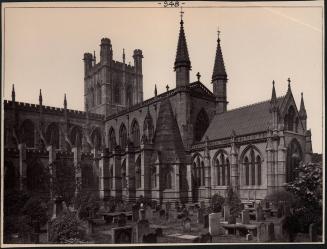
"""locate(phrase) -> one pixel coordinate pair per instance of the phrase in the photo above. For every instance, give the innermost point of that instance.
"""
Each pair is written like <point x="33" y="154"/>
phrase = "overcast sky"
<point x="44" y="49"/>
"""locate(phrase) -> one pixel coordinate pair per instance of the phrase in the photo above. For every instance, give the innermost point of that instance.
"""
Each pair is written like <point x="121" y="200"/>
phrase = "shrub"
<point x="36" y="209"/>
<point x="234" y="202"/>
<point x="217" y="202"/>
<point x="66" y="227"/>
<point x="86" y="204"/>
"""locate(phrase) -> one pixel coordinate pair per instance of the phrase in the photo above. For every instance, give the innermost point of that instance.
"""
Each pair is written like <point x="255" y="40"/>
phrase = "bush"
<point x="281" y="195"/>
<point x="86" y="204"/>
<point x="36" y="209"/>
<point x="234" y="202"/>
<point x="66" y="227"/>
<point x="217" y="202"/>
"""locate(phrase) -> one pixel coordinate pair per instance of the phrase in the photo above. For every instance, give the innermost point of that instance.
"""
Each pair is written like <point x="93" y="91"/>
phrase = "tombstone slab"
<point x="215" y="227"/>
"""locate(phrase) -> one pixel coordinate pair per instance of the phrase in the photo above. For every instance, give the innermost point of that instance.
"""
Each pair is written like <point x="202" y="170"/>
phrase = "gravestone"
<point x="57" y="207"/>
<point x="271" y="232"/>
<point x="148" y="213"/>
<point x="280" y="211"/>
<point x="245" y="217"/>
<point x="162" y="214"/>
<point x="226" y="212"/>
<point x="206" y="221"/>
<point x="262" y="232"/>
<point x="90" y="227"/>
<point x="122" y="235"/>
<point x="142" y="214"/>
<point x="286" y="209"/>
<point x="313" y="232"/>
<point x="249" y="236"/>
<point x="149" y="238"/>
<point x="187" y="225"/>
<point x="142" y="228"/>
<point x="214" y="224"/>
<point x="259" y="213"/>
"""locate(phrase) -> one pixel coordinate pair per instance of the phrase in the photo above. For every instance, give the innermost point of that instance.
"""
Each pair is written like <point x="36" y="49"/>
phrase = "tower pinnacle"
<point x="219" y="71"/>
<point x="13" y="94"/>
<point x="40" y="97"/>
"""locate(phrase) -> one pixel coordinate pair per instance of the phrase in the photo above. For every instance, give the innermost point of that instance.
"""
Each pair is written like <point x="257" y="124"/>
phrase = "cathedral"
<point x="182" y="145"/>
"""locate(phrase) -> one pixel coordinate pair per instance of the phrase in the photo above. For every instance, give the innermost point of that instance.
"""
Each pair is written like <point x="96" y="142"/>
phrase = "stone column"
<point x="270" y="164"/>
<point x="52" y="170"/>
<point x="116" y="175"/>
<point x="207" y="170"/>
<point x="189" y="182"/>
<point x="234" y="174"/>
<point x="22" y="166"/>
<point x="275" y="158"/>
<point x="130" y="174"/>
<point x="104" y="190"/>
<point x="146" y="153"/>
<point x="78" y="171"/>
<point x="281" y="163"/>
<point x="177" y="186"/>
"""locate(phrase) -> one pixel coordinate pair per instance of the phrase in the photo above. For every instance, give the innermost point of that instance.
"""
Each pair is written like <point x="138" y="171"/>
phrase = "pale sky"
<point x="44" y="48"/>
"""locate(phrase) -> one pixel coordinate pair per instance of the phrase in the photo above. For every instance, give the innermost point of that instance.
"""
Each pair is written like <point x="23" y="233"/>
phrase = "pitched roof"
<point x="182" y="57"/>
<point x="244" y="120"/>
<point x="167" y="139"/>
<point x="219" y="67"/>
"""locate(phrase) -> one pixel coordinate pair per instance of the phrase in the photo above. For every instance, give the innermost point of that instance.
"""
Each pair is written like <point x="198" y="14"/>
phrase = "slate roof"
<point x="244" y="120"/>
<point x="167" y="139"/>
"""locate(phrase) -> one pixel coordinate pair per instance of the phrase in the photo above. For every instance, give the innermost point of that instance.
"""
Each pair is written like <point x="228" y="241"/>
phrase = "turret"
<point x="274" y="108"/>
<point x="182" y="65"/>
<point x="219" y="80"/>
<point x="40" y="98"/>
<point x="88" y="59"/>
<point x="138" y="60"/>
<point x="105" y="51"/>
<point x="303" y="113"/>
<point x="138" y="90"/>
<point x="13" y="94"/>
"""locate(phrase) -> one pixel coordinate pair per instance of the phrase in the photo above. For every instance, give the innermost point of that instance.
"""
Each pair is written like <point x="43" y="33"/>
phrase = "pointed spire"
<point x="219" y="71"/>
<point x="155" y="90"/>
<point x="124" y="55"/>
<point x="302" y="112"/>
<point x="13" y="94"/>
<point x="65" y="102"/>
<point x="273" y="95"/>
<point x="40" y="98"/>
<point x="182" y="57"/>
<point x="94" y="58"/>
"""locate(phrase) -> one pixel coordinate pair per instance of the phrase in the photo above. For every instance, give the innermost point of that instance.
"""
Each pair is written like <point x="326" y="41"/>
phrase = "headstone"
<point x="162" y="214"/>
<point x="286" y="210"/>
<point x="122" y="235"/>
<point x="249" y="236"/>
<point x="313" y="233"/>
<point x="214" y="224"/>
<point x="245" y="217"/>
<point x="259" y="213"/>
<point x="226" y="212"/>
<point x="90" y="227"/>
<point x="187" y="224"/>
<point x="271" y="232"/>
<point x="148" y="213"/>
<point x="142" y="214"/>
<point x="142" y="228"/>
<point x="262" y="232"/>
<point x="206" y="221"/>
<point x="279" y="211"/>
<point x="149" y="238"/>
<point x="57" y="207"/>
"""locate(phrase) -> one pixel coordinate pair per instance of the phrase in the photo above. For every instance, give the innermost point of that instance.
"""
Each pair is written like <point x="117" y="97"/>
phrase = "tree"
<point x="233" y="201"/>
<point x="307" y="188"/>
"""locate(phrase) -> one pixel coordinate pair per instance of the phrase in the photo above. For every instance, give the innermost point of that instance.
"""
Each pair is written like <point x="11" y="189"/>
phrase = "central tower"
<point x="182" y="65"/>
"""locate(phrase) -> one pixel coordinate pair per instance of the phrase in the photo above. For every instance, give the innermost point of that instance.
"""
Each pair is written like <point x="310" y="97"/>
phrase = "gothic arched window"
<point x="252" y="167"/>
<point x="136" y="133"/>
<point x="223" y="167"/>
<point x="112" y="139"/>
<point x="76" y="136"/>
<point x="52" y="135"/>
<point x="228" y="172"/>
<point x="28" y="133"/>
<point x="138" y="173"/>
<point x="96" y="138"/>
<point x="218" y="171"/>
<point x="247" y="173"/>
<point x="122" y="136"/>
<point x="294" y="157"/>
<point x="202" y="174"/>
<point x="148" y="127"/>
<point x="201" y="125"/>
<point x="168" y="178"/>
<point x="289" y="120"/>
<point x="123" y="175"/>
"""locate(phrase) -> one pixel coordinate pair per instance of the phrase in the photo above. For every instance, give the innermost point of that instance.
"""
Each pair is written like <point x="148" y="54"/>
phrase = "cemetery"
<point x="221" y="220"/>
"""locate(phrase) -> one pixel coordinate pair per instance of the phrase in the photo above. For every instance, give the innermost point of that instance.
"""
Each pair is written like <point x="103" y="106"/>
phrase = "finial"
<point x="124" y="55"/>
<point x="302" y="95"/>
<point x="289" y="82"/>
<point x="40" y="97"/>
<point x="182" y="12"/>
<point x="65" y="102"/>
<point x="198" y="75"/>
<point x="273" y="82"/>
<point x="167" y="87"/>
<point x="218" y="31"/>
<point x="94" y="58"/>
<point x="13" y="94"/>
<point x="155" y="90"/>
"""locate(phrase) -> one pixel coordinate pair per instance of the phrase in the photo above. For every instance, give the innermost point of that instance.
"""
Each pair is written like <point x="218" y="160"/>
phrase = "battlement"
<point x="8" y="104"/>
<point x="138" y="52"/>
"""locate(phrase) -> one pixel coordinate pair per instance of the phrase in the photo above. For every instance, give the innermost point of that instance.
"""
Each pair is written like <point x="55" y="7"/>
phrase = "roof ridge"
<point x="249" y="105"/>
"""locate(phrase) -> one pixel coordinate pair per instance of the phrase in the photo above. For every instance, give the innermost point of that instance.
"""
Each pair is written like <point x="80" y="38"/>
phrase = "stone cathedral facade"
<point x="183" y="144"/>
